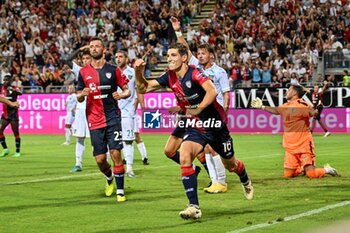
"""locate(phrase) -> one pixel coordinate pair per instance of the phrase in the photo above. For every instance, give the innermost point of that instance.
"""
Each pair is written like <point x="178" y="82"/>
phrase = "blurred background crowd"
<point x="267" y="42"/>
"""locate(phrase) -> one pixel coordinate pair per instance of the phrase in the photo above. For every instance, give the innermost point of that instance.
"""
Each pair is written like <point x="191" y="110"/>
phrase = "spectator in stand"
<point x="246" y="76"/>
<point x="266" y="73"/>
<point x="286" y="28"/>
<point x="16" y="82"/>
<point x="236" y="76"/>
<point x="256" y="73"/>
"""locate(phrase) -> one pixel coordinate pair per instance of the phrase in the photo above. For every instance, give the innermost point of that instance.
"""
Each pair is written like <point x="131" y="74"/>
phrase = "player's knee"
<point x="289" y="173"/>
<point x="169" y="152"/>
<point x="315" y="173"/>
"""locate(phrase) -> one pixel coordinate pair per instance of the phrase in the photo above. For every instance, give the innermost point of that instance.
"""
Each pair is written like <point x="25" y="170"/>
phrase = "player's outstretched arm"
<point x="70" y="58"/>
<point x="257" y="103"/>
<point x="143" y="85"/>
<point x="180" y="38"/>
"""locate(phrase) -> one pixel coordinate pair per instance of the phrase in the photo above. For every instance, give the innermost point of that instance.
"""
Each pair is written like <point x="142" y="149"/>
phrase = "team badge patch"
<point x="129" y="77"/>
<point x="188" y="84"/>
<point x="108" y="75"/>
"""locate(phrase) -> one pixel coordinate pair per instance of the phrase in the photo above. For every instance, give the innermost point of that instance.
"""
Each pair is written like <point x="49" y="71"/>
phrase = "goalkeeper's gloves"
<point x="257" y="103"/>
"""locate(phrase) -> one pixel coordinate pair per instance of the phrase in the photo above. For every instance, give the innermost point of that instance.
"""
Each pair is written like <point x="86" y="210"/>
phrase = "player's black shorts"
<point x="219" y="140"/>
<point x="320" y="109"/>
<point x="110" y="135"/>
<point x="10" y="118"/>
<point x="179" y="132"/>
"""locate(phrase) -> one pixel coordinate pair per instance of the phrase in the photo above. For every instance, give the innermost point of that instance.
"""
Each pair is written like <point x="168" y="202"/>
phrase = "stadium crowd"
<point x="275" y="42"/>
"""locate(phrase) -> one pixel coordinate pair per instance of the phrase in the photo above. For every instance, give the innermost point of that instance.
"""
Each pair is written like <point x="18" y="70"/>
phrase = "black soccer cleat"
<point x="145" y="161"/>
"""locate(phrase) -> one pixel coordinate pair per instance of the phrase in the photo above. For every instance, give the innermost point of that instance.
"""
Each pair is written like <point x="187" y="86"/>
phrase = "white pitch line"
<point x="293" y="217"/>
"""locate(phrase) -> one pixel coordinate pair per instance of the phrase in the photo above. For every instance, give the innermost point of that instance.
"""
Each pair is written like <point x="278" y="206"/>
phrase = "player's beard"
<point x="97" y="56"/>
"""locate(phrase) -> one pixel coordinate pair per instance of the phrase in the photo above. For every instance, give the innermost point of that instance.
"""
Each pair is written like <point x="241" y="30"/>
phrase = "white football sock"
<point x="142" y="149"/>
<point x="220" y="169"/>
<point x="68" y="133"/>
<point x="79" y="151"/>
<point x="129" y="156"/>
<point x="211" y="168"/>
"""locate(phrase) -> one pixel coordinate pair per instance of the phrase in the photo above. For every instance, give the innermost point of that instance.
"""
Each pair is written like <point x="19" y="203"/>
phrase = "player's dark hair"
<point x="123" y="52"/>
<point x="299" y="90"/>
<point x="99" y="39"/>
<point x="180" y="47"/>
<point x="208" y="47"/>
<point x="86" y="52"/>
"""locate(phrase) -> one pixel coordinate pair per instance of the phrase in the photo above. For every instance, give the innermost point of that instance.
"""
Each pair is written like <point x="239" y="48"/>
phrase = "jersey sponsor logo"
<point x="88" y="77"/>
<point x="188" y="84"/>
<point x="93" y="87"/>
<point x="152" y="120"/>
<point x="108" y="75"/>
<point x="100" y="96"/>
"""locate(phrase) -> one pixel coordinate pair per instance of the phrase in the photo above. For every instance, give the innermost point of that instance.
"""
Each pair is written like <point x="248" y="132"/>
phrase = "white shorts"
<point x="128" y="129"/>
<point x="80" y="128"/>
<point x="136" y="124"/>
<point x="69" y="118"/>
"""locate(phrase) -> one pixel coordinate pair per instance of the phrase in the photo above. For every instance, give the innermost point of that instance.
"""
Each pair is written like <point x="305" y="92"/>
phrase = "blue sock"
<point x="241" y="172"/>
<point x="119" y="176"/>
<point x="18" y="144"/>
<point x="3" y="142"/>
<point x="189" y="180"/>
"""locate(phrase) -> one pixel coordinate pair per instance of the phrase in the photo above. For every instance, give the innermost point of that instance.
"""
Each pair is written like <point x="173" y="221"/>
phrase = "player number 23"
<point x="118" y="135"/>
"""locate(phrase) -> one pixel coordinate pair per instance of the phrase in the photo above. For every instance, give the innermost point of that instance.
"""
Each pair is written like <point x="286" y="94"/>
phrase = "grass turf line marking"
<point x="292" y="217"/>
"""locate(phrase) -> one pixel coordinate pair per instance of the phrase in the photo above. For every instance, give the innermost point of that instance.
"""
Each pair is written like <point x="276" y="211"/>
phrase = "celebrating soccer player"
<point x="205" y="61"/>
<point x="98" y="81"/>
<point x="317" y="98"/>
<point x="10" y="115"/>
<point x="205" y="121"/>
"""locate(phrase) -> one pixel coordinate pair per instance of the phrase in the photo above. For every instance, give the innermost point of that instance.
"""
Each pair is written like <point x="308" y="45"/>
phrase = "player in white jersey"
<point x="80" y="129"/>
<point x="129" y="118"/>
<point x="205" y="61"/>
<point x="70" y="104"/>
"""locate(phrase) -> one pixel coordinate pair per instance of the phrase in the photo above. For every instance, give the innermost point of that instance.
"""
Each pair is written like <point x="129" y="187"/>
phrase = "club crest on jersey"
<point x="108" y="75"/>
<point x="211" y="77"/>
<point x="188" y="84"/>
<point x="129" y="77"/>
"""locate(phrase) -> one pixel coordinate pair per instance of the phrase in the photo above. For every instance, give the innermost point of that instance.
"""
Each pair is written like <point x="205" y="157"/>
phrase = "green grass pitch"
<point x="39" y="194"/>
